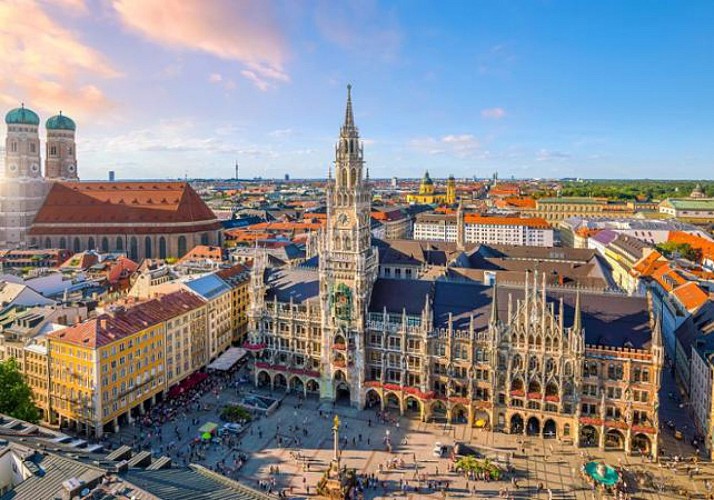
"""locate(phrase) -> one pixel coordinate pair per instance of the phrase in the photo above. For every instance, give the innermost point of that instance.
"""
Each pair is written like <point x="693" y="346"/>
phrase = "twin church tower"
<point x="23" y="188"/>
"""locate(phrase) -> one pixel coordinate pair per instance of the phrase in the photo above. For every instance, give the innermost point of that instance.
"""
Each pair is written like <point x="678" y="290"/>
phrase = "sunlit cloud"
<point x="239" y="31"/>
<point x="48" y="66"/>
<point x="493" y="113"/>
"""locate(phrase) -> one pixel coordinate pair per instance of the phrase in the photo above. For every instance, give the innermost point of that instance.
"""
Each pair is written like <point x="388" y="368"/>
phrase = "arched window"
<point x="120" y="244"/>
<point x="147" y="247"/>
<point x="77" y="245"/>
<point x="105" y="244"/>
<point x="162" y="247"/>
<point x="181" y="246"/>
<point x="63" y="243"/>
<point x="90" y="243"/>
<point x="48" y="243"/>
<point x="133" y="248"/>
<point x="204" y="239"/>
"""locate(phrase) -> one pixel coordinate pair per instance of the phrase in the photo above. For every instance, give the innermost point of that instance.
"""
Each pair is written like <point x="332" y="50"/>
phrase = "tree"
<point x="672" y="249"/>
<point x="15" y="395"/>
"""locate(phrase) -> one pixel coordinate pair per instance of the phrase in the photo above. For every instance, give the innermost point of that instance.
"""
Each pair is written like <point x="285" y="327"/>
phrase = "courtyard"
<point x="290" y="449"/>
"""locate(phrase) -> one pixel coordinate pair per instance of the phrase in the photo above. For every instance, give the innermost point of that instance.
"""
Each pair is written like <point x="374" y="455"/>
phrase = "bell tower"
<point x="348" y="262"/>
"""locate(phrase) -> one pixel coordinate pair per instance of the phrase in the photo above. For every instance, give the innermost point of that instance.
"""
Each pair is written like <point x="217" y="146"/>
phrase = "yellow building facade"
<point x="428" y="195"/>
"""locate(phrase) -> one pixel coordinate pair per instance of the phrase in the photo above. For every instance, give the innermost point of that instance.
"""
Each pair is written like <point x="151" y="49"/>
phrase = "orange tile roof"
<point x="122" y="264"/>
<point x="112" y="327"/>
<point x="648" y="264"/>
<point x="533" y="222"/>
<point x="202" y="252"/>
<point x="668" y="278"/>
<point x="89" y="205"/>
<point x="691" y="296"/>
<point x="81" y="260"/>
<point x="513" y="202"/>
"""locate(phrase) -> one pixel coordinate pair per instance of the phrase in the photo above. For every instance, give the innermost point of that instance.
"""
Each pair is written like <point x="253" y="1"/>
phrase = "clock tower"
<point x="348" y="266"/>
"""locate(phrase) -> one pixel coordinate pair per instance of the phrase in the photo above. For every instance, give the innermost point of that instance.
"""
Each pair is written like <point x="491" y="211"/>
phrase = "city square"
<point x="290" y="449"/>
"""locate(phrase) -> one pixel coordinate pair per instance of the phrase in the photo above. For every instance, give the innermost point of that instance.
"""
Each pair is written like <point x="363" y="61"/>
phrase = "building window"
<point x="181" y="246"/>
<point x="53" y="150"/>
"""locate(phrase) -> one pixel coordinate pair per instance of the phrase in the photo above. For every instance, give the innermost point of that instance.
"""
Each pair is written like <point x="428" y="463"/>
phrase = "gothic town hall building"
<point x="555" y="362"/>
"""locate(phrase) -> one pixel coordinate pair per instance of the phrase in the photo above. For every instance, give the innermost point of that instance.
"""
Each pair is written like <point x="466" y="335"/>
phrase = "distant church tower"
<point x="348" y="263"/>
<point x="61" y="150"/>
<point x="22" y="188"/>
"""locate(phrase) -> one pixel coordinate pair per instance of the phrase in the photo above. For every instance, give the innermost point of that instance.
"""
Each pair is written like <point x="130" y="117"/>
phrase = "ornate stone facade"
<point x="584" y="368"/>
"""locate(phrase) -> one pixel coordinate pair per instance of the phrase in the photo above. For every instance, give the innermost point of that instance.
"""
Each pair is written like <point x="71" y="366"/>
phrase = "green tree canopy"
<point x="15" y="395"/>
<point x="672" y="249"/>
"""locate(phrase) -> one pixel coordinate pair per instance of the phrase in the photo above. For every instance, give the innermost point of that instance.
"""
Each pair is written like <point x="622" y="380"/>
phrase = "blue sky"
<point x="167" y="88"/>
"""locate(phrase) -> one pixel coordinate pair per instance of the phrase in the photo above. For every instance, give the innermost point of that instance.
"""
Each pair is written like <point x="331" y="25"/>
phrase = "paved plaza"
<point x="291" y="448"/>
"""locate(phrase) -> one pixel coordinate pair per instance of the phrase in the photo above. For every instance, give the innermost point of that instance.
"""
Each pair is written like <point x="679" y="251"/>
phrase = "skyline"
<point x="538" y="89"/>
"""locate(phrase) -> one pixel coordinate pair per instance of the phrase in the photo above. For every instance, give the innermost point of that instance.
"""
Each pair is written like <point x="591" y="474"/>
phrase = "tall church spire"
<point x="349" y="129"/>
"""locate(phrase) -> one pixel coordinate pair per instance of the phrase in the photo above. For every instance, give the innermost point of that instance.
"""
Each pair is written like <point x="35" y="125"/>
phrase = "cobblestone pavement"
<point x="536" y="460"/>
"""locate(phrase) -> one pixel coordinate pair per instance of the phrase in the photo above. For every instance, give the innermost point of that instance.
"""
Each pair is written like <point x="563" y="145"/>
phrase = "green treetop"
<point x="15" y="395"/>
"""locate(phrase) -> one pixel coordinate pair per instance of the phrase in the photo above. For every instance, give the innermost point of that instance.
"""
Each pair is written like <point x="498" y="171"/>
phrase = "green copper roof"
<point x="22" y="116"/>
<point x="60" y="122"/>
<point x="427" y="179"/>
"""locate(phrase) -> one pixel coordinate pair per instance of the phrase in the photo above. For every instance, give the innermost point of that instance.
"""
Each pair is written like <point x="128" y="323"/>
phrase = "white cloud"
<point x="215" y="78"/>
<point x="239" y="31"/>
<point x="550" y="155"/>
<point x="460" y="145"/>
<point x="493" y="113"/>
<point x="281" y="133"/>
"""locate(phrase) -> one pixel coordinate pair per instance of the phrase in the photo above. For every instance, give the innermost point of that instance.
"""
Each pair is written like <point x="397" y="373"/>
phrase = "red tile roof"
<point x="111" y="327"/>
<point x="144" y="207"/>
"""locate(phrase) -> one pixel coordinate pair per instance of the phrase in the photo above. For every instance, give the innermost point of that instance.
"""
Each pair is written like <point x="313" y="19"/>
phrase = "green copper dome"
<point x="22" y="116"/>
<point x="60" y="122"/>
<point x="427" y="179"/>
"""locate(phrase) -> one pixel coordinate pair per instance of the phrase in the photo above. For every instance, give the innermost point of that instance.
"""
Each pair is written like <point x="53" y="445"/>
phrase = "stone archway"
<point x="642" y="444"/>
<point x="438" y="411"/>
<point x="459" y="414"/>
<point x="533" y="426"/>
<point x="550" y="430"/>
<point x="589" y="436"/>
<point x="263" y="379"/>
<point x="614" y="440"/>
<point x="279" y="381"/>
<point x="313" y="387"/>
<point x="412" y="406"/>
<point x="342" y="393"/>
<point x="296" y="385"/>
<point x="516" y="424"/>
<point x="482" y="419"/>
<point x="373" y="399"/>
<point x="391" y="402"/>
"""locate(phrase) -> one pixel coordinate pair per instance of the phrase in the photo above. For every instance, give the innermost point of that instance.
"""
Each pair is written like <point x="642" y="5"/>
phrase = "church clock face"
<point x="343" y="219"/>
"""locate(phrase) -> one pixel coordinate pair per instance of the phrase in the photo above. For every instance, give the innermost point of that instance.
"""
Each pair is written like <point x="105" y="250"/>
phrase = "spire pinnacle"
<point x="349" y="117"/>
<point x="494" y="304"/>
<point x="577" y="320"/>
